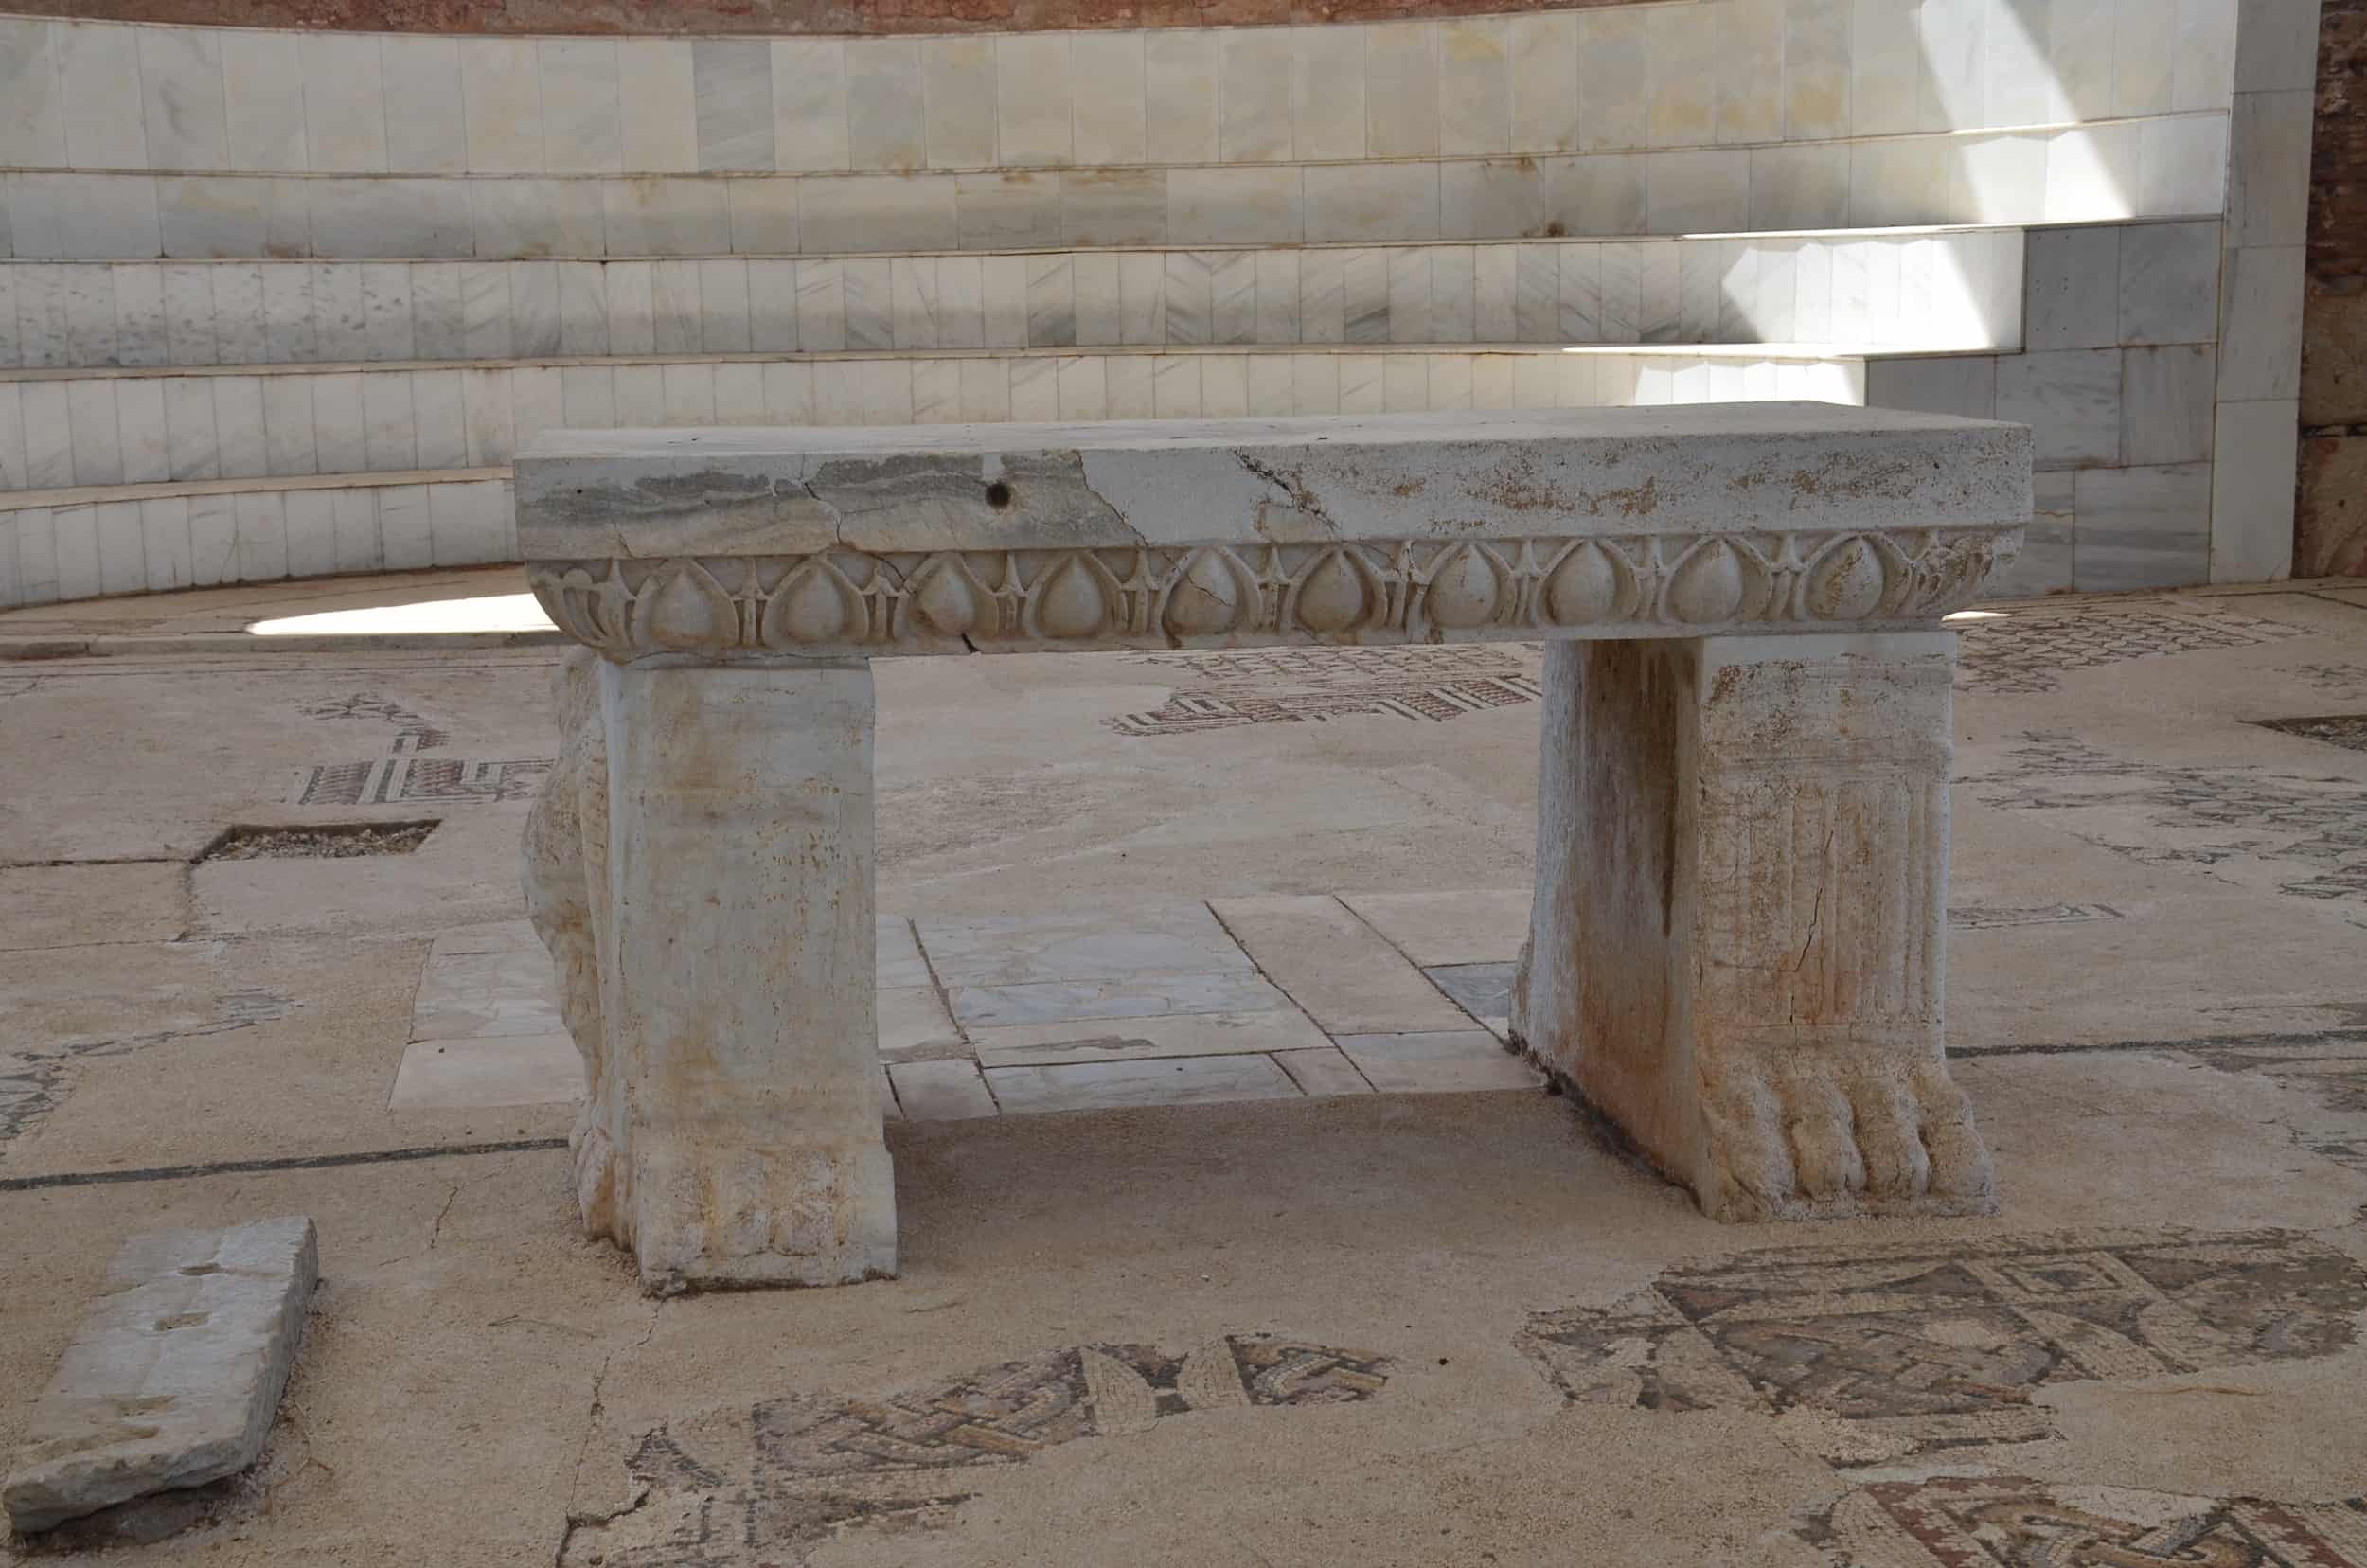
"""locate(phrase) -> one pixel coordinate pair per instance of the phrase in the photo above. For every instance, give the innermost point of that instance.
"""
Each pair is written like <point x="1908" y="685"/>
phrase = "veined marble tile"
<point x="1008" y="211"/>
<point x="1142" y="298"/>
<point x="1494" y="275"/>
<point x="941" y="1091"/>
<point x="1431" y="1063"/>
<point x="582" y="112"/>
<point x="1147" y="1039"/>
<point x="190" y="451"/>
<point x="1147" y="996"/>
<point x="2260" y="330"/>
<point x="1107" y="98"/>
<point x="912" y="301"/>
<point x="723" y="314"/>
<point x="1614" y="84"/>
<point x="1362" y="384"/>
<point x="669" y="216"/>
<point x="1032" y="120"/>
<point x="674" y="307"/>
<point x="1190" y="300"/>
<point x="71" y="312"/>
<point x="2254" y="458"/>
<point x="1254" y="99"/>
<point x="263" y="94"/>
<point x="1605" y="194"/>
<point x="1475" y="101"/>
<point x="439" y="419"/>
<point x="1658" y="292"/>
<point x="871" y="304"/>
<point x="1691" y="192"/>
<point x="2183" y="164"/>
<point x="962" y="302"/>
<point x="389" y="437"/>
<point x="1773" y="313"/>
<point x="489" y="415"/>
<point x="1099" y="310"/>
<point x="1450" y="381"/>
<point x="2017" y="82"/>
<point x="2268" y="194"/>
<point x="587" y="396"/>
<point x="631" y="294"/>
<point x="986" y="390"/>
<point x="2045" y="564"/>
<point x="1084" y="394"/>
<point x="2145" y="48"/>
<point x="958" y="83"/>
<point x="809" y="119"/>
<point x="165" y="530"/>
<point x="1006" y="282"/>
<point x="1812" y="320"/>
<point x="1327" y="91"/>
<point x="2141" y="528"/>
<point x="1619" y="292"/>
<point x="502" y="99"/>
<point x="763" y="216"/>
<point x="1114" y="1084"/>
<point x="238" y="329"/>
<point x="886" y="117"/>
<point x="1175" y="388"/>
<point x="2168" y="281"/>
<point x="188" y="307"/>
<point x="340" y="322"/>
<point x="1126" y="385"/>
<point x="2166" y="404"/>
<point x="2091" y="174"/>
<point x="1233" y="297"/>
<point x="345" y="129"/>
<point x="885" y="212"/>
<point x="1315" y="382"/>
<point x="1364" y="295"/>
<point x="99" y="79"/>
<point x="1404" y="383"/>
<point x="582" y="305"/>
<point x="2080" y="54"/>
<point x="2072" y="402"/>
<point x="1323" y="296"/>
<point x="690" y="392"/>
<point x="1051" y="302"/>
<point x="182" y="105"/>
<point x="1248" y="205"/>
<point x="1953" y="37"/>
<point x="1034" y="389"/>
<point x="2276" y="44"/>
<point x="639" y="393"/>
<point x="404" y="531"/>
<point x="1453" y="291"/>
<point x="389" y="217"/>
<point x="1537" y="293"/>
<point x="94" y="437"/>
<point x="1400" y="90"/>
<point x="731" y="86"/>
<point x="789" y="394"/>
<point x="1798" y="187"/>
<point x="337" y="423"/>
<point x="1491" y="198"/>
<point x="1179" y="75"/>
<point x="1681" y="60"/>
<point x="140" y="431"/>
<point x="1749" y="38"/>
<point x="1407" y="317"/>
<point x="1121" y="207"/>
<point x="262" y="536"/>
<point x="1269" y="387"/>
<point x="1581" y="292"/>
<point x="1278" y="283"/>
<point x="289" y="337"/>
<point x="1375" y="202"/>
<point x="1543" y="51"/>
<point x="1817" y="69"/>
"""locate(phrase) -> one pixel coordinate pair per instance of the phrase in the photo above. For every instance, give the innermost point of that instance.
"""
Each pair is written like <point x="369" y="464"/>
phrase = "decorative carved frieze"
<point x="842" y="601"/>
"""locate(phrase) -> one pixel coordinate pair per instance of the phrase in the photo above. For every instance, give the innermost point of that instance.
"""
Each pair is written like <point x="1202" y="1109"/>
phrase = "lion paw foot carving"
<point x="1802" y="1139"/>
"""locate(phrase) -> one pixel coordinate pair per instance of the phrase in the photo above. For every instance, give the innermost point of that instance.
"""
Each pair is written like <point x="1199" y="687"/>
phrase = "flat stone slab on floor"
<point x="174" y="1373"/>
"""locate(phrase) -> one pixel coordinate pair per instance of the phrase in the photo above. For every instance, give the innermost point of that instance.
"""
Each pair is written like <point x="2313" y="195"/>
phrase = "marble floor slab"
<point x="499" y="993"/>
<point x="1106" y="1085"/>
<point x="1484" y="991"/>
<point x="941" y="1091"/>
<point x="912" y="1020"/>
<point x="900" y="964"/>
<point x="1113" y="1040"/>
<point x="1325" y="1072"/>
<point x="1135" y="996"/>
<point x="1483" y="927"/>
<point x="1182" y="939"/>
<point x="1460" y="1059"/>
<point x="511" y="1069"/>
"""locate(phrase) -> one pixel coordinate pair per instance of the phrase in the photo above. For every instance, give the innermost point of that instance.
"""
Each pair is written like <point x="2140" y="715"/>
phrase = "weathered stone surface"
<point x="172" y="1378"/>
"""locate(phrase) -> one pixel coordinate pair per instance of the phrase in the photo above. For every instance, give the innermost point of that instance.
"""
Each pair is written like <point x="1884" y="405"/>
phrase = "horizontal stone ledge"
<point x="100" y="495"/>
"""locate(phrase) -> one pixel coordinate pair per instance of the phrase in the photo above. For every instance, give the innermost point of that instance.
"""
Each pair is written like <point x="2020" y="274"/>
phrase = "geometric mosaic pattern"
<point x="407" y="777"/>
<point x="2029" y="652"/>
<point x="2012" y="1523"/>
<point x="1917" y="1348"/>
<point x="762" y="1484"/>
<point x="1290" y="685"/>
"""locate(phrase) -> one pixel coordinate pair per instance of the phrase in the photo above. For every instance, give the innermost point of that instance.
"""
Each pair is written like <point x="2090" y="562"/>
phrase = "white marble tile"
<point x="354" y="526"/>
<point x="1323" y="296"/>
<point x="583" y="107"/>
<point x="1400" y="90"/>
<point x="886" y="115"/>
<point x="885" y="212"/>
<point x="87" y="294"/>
<point x="140" y="430"/>
<point x="639" y="393"/>
<point x="587" y="396"/>
<point x="869" y="289"/>
<point x="2254" y="456"/>
<point x="1372" y="202"/>
<point x="289" y="446"/>
<point x="1277" y="287"/>
<point x="1542" y="50"/>
<point x="580" y="307"/>
<point x="1364" y="295"/>
<point x="1327" y="92"/>
<point x="2261" y="321"/>
<point x="732" y="88"/>
<point x="220" y="215"/>
<point x="2202" y="72"/>
<point x="344" y="102"/>
<point x="338" y="424"/>
<point x="1581" y="317"/>
<point x="188" y="310"/>
<point x="427" y="126"/>
<point x="2044" y="566"/>
<point x="1363" y="384"/>
<point x="165" y="543"/>
<point x="1032" y="110"/>
<point x="631" y="298"/>
<point x="75" y="533"/>
<point x="2276" y="44"/>
<point x="2079" y="46"/>
<point x="239" y="330"/>
<point x="2182" y="166"/>
<point x="502" y="102"/>
<point x="1404" y="383"/>
<point x="1112" y="1085"/>
<point x="389" y="435"/>
<point x="403" y="527"/>
<point x="1105" y="93"/>
<point x="467" y="1074"/>
<point x="311" y="519"/>
<point x="1007" y="211"/>
<point x="440" y="420"/>
<point x="2141" y="528"/>
<point x="182" y="105"/>
<point x="789" y="394"/>
<point x="2165" y="404"/>
<point x="32" y="122"/>
<point x="1270" y="389"/>
<point x="913" y="1018"/>
<point x="773" y="306"/>
<point x="2267" y="192"/>
<point x="809" y="122"/>
<point x="1083" y="391"/>
<point x="689" y="393"/>
<point x="2091" y="174"/>
<point x="1698" y="191"/>
<point x="122" y="564"/>
<point x="1453" y="1062"/>
<point x="2071" y="400"/>
<point x="2070" y="288"/>
<point x="2168" y="282"/>
<point x="1453" y="293"/>
<point x="1682" y="64"/>
<point x="1248" y="205"/>
<point x="262" y="78"/>
<point x="386" y="311"/>
<point x="486" y="315"/>
<point x="960" y="301"/>
<point x="262" y="536"/>
<point x="289" y="335"/>
<point x="1407" y="314"/>
<point x="1475" y="98"/>
<point x="1098" y="312"/>
<point x="667" y="217"/>
<point x="190" y="450"/>
<point x="1491" y="198"/>
<point x="724" y="307"/>
<point x="1179" y="75"/>
<point x="986" y="390"/>
<point x="1253" y="95"/>
<point x="1189" y="310"/>
<point x="95" y="438"/>
<point x="913" y="302"/>
<point x="489" y="416"/>
<point x="941" y="1091"/>
<point x="1006" y="286"/>
<point x="957" y="76"/>
<point x="1749" y="76"/>
<point x="99" y="81"/>
<point x="1614" y="83"/>
<point x="340" y="321"/>
<point x="78" y="217"/>
<point x="1799" y="187"/>
<point x="1953" y="35"/>
<point x="1817" y="76"/>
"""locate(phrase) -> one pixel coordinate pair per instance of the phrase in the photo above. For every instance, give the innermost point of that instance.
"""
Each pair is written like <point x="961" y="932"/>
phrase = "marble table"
<point x="1736" y="948"/>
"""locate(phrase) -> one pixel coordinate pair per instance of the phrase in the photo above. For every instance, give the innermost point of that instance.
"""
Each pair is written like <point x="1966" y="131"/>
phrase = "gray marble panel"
<point x="1138" y="996"/>
<point x="2262" y="305"/>
<point x="1491" y="198"/>
<point x="887" y="212"/>
<point x="486" y="315"/>
<point x="1005" y="283"/>
<point x="1401" y="90"/>
<point x="1116" y="206"/>
<point x="1106" y="96"/>
<point x="263" y="94"/>
<point x="732" y="82"/>
<point x="1000" y="211"/>
<point x="809" y="121"/>
<point x="225" y="216"/>
<point x="1233" y="297"/>
<point x="764" y="216"/>
<point x="870" y="303"/>
<point x="288" y="336"/>
<point x="2165" y="404"/>
<point x="182" y="106"/>
<point x="724" y="307"/>
<point x="33" y="127"/>
<point x="957" y="83"/>
<point x="2070" y="288"/>
<point x="1409" y="281"/>
<point x="188" y="307"/>
<point x="43" y="315"/>
<point x="1474" y="86"/>
<point x="1453" y="294"/>
<point x="338" y="424"/>
<point x="2141" y="528"/>
<point x="239" y="433"/>
<point x="288" y="444"/>
<point x="2168" y="282"/>
<point x="99" y="81"/>
<point x="912" y="301"/>
<point x="1537" y="293"/>
<point x="1375" y="202"/>
<point x="1189" y="296"/>
<point x="674" y="307"/>
<point x="1278" y="284"/>
<point x="886" y="114"/>
<point x="1364" y="295"/>
<point x="961" y="300"/>
<point x="345" y="132"/>
<point x="1601" y="195"/>
<point x="437" y="328"/>
<point x="389" y="217"/>
<point x="2072" y="402"/>
<point x="666" y="217"/>
<point x="1581" y="317"/>
<point x="1963" y="384"/>
<point x="1032" y="119"/>
<point x="583" y="307"/>
<point x="1799" y="187"/>
<point x="582" y="110"/>
<point x="1051" y="302"/>
<point x="140" y="429"/>
<point x="239" y="330"/>
<point x="1248" y="205"/>
<point x="1327" y="91"/>
<point x="1099" y="308"/>
<point x="340" y="322"/>
<point x="1323" y="296"/>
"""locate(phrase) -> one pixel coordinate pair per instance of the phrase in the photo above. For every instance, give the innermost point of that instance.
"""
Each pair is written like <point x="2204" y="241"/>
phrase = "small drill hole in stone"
<point x="180" y="1320"/>
<point x="998" y="495"/>
<point x="203" y="1268"/>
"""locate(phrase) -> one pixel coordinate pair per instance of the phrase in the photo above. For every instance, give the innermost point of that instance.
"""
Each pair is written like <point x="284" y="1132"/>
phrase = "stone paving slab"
<point x="1451" y="1059"/>
<point x="502" y="1069"/>
<point x="1137" y="996"/>
<point x="1108" y="1040"/>
<point x="1343" y="972"/>
<point x="1486" y="926"/>
<point x="173" y="1375"/>
<point x="1108" y="1085"/>
<point x="1081" y="944"/>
